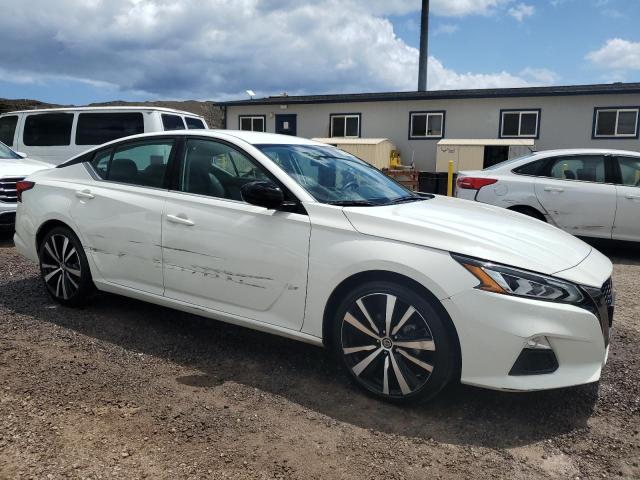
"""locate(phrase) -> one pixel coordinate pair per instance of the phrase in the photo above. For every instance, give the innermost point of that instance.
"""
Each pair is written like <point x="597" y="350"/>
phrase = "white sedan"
<point x="587" y="192"/>
<point x="300" y="239"/>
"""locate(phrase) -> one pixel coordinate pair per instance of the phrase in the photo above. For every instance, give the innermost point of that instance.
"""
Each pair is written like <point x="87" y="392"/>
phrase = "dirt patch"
<point x="123" y="389"/>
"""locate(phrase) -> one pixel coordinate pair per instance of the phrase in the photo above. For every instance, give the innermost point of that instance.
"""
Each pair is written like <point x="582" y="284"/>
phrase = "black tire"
<point x="426" y="325"/>
<point x="529" y="212"/>
<point x="64" y="268"/>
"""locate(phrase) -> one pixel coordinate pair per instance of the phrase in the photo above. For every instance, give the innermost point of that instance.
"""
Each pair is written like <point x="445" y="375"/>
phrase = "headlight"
<point x="512" y="281"/>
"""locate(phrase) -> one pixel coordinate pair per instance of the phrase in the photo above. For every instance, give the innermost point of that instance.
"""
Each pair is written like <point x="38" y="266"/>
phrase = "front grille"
<point x="607" y="291"/>
<point x="8" y="189"/>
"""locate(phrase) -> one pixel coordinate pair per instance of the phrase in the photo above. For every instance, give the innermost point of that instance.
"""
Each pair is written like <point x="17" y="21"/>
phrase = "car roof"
<point x="584" y="151"/>
<point x="252" y="138"/>
<point x="105" y="109"/>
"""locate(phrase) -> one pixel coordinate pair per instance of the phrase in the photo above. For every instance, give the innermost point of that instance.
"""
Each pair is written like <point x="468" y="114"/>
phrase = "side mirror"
<point x="21" y="154"/>
<point x="263" y="194"/>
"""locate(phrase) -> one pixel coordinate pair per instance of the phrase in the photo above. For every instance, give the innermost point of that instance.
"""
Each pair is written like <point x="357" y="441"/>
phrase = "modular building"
<point x="581" y="116"/>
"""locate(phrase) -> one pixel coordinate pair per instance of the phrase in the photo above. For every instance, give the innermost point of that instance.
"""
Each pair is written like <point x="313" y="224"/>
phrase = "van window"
<point x="48" y="129"/>
<point x="8" y="129"/>
<point x="99" y="128"/>
<point x="172" y="122"/>
<point x="194" y="123"/>
<point x="142" y="164"/>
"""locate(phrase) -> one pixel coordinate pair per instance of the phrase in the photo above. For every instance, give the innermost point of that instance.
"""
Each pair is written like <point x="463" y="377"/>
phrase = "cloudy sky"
<point x="79" y="51"/>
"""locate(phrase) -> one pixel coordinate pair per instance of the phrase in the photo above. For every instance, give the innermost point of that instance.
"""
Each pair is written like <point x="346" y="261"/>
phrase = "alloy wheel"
<point x="61" y="267"/>
<point x="388" y="345"/>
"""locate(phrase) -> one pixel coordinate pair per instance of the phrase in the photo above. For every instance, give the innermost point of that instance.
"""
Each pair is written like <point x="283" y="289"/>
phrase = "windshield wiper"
<point x="408" y="198"/>
<point x="353" y="203"/>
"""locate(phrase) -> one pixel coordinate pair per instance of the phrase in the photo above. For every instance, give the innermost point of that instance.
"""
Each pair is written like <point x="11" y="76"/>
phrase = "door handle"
<point x="632" y="197"/>
<point x="180" y="219"/>
<point x="85" y="194"/>
<point x="554" y="189"/>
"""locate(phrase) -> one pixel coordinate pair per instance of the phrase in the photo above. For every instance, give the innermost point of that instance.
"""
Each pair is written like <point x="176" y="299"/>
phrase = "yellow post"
<point x="450" y="180"/>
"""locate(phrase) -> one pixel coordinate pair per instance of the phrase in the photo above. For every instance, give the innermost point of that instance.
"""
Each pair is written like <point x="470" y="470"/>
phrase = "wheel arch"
<point x="383" y="275"/>
<point x="48" y="226"/>
<point x="528" y="210"/>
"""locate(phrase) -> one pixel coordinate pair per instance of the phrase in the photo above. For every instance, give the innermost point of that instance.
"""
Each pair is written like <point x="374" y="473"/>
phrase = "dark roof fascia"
<point x="572" y="90"/>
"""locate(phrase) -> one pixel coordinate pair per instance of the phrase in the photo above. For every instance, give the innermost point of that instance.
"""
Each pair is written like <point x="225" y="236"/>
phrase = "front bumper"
<point x="7" y="215"/>
<point x="494" y="329"/>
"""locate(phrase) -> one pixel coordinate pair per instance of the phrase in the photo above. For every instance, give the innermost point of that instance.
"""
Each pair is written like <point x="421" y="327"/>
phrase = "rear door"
<point x="627" y="222"/>
<point x="576" y="192"/>
<point x="119" y="214"/>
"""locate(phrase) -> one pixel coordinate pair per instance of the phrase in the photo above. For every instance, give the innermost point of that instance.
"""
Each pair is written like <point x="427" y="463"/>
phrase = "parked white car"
<point x="300" y="239"/>
<point x="590" y="193"/>
<point x="55" y="135"/>
<point x="13" y="168"/>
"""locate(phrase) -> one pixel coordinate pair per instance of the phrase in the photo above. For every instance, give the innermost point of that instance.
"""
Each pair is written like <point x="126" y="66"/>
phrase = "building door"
<point x="495" y="154"/>
<point x="286" y="124"/>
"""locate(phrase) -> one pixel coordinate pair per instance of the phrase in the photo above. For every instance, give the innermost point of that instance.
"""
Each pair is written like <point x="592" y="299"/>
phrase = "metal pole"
<point x="450" y="179"/>
<point x="424" y="47"/>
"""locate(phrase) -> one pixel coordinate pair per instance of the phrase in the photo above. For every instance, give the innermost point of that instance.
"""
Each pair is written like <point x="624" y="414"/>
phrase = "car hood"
<point x="473" y="229"/>
<point x="21" y="167"/>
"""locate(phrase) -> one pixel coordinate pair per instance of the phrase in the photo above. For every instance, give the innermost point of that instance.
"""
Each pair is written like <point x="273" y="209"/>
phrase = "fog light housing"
<point x="536" y="358"/>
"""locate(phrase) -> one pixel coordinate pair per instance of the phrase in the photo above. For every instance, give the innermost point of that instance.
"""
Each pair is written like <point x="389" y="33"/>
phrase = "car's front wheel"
<point x="393" y="342"/>
<point x="64" y="267"/>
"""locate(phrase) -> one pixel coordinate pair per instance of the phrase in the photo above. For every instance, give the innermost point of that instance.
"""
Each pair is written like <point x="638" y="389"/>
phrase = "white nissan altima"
<point x="300" y="239"/>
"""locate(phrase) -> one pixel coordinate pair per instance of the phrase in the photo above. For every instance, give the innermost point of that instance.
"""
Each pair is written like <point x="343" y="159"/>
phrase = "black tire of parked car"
<point x="64" y="268"/>
<point x="420" y="348"/>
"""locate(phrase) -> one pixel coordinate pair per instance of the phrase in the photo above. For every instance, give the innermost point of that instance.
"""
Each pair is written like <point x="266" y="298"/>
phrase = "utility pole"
<point x="424" y="46"/>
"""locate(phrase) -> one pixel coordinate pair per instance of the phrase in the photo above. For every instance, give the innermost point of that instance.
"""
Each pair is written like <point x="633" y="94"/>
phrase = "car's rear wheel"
<point x="394" y="343"/>
<point x="64" y="267"/>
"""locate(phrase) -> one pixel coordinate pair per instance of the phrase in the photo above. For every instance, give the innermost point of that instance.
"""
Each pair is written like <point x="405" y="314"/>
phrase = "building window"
<point x="519" y="123"/>
<point x="253" y="123"/>
<point x="615" y="122"/>
<point x="426" y="125"/>
<point x="345" y="125"/>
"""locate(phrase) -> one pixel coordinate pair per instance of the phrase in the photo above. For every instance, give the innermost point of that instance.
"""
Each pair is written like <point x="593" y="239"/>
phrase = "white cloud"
<point x="521" y="11"/>
<point x="216" y="49"/>
<point x="446" y="28"/>
<point x="617" y="54"/>
<point x="446" y="8"/>
<point x="540" y="76"/>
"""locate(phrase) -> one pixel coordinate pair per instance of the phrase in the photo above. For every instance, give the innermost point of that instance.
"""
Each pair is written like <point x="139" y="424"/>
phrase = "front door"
<point x="627" y="223"/>
<point x="119" y="214"/>
<point x="287" y="124"/>
<point x="575" y="192"/>
<point x="224" y="254"/>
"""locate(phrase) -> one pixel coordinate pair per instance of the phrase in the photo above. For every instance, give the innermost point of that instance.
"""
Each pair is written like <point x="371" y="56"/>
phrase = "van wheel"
<point x="393" y="343"/>
<point x="64" y="268"/>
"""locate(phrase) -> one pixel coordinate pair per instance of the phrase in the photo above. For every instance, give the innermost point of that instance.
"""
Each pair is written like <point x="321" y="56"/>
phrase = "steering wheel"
<point x="351" y="185"/>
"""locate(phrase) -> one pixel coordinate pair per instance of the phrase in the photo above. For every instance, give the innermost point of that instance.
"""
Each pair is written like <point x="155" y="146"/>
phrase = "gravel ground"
<point x="123" y="389"/>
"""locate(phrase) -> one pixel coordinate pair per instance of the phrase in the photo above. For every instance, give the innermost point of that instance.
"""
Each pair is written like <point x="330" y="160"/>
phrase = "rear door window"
<point x="586" y="168"/>
<point x="8" y="129"/>
<point x="172" y="122"/>
<point x="142" y="163"/>
<point x="99" y="128"/>
<point x="100" y="163"/>
<point x="194" y="123"/>
<point x="48" y="129"/>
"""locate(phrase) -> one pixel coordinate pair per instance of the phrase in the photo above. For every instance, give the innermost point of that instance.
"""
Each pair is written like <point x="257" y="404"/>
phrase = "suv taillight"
<point x="23" y="186"/>
<point x="474" y="183"/>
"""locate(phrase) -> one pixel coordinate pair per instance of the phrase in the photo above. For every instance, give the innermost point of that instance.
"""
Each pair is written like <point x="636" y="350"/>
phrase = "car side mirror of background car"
<point x="262" y="193"/>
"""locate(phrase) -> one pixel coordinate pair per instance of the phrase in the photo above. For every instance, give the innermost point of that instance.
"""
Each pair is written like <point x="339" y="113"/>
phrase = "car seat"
<point x="123" y="170"/>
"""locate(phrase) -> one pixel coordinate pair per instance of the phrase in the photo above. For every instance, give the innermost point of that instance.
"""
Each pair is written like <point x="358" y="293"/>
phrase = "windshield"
<point x="510" y="161"/>
<point x="6" y="152"/>
<point x="333" y="176"/>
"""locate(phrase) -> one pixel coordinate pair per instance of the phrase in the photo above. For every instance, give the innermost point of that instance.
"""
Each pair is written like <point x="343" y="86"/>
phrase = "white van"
<point x="56" y="134"/>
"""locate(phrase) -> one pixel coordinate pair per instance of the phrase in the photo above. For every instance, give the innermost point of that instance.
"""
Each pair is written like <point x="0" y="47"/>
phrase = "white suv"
<point x="57" y="134"/>
<point x="13" y="168"/>
<point x="587" y="192"/>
